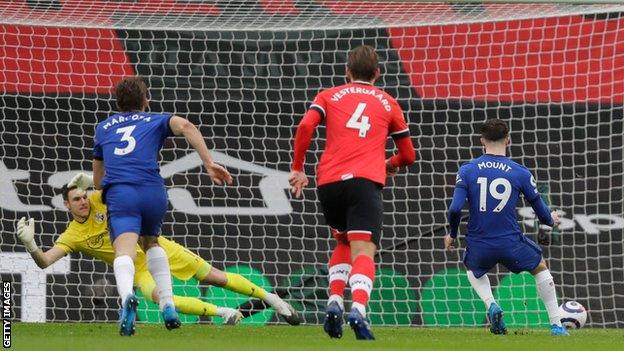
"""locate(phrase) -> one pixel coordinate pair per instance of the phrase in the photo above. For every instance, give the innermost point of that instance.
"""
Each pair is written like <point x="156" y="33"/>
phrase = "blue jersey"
<point x="129" y="144"/>
<point x="493" y="184"/>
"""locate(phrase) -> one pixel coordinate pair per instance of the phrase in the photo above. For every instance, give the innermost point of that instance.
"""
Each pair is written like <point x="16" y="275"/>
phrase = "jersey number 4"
<point x="493" y="190"/>
<point x="127" y="137"/>
<point x="355" y="123"/>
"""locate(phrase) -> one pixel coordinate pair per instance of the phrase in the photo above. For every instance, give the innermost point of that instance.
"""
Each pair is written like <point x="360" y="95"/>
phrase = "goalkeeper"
<point x="88" y="233"/>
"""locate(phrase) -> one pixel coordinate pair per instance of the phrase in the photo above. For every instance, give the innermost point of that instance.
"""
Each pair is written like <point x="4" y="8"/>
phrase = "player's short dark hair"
<point x="494" y="129"/>
<point x="363" y="63"/>
<point x="65" y="191"/>
<point x="131" y="93"/>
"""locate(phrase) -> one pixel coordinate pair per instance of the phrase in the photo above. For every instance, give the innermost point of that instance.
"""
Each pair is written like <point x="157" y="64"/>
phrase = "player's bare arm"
<point x="180" y="126"/>
<point x="98" y="173"/>
<point x="26" y="234"/>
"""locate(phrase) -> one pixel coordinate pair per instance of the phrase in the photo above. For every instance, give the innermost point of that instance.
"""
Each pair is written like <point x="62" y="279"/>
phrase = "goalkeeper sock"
<point x="158" y="266"/>
<point x="239" y="284"/>
<point x="548" y="294"/>
<point x="361" y="282"/>
<point x="195" y="306"/>
<point x="339" y="270"/>
<point x="123" y="266"/>
<point x="483" y="288"/>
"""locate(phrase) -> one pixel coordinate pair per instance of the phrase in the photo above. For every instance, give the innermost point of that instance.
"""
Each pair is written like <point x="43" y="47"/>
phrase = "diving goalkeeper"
<point x="88" y="233"/>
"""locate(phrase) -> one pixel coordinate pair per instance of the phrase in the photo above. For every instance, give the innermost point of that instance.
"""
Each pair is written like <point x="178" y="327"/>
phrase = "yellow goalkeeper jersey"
<point x="91" y="237"/>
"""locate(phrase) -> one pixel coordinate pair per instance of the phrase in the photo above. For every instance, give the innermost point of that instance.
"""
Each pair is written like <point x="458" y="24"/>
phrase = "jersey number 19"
<point x="493" y="190"/>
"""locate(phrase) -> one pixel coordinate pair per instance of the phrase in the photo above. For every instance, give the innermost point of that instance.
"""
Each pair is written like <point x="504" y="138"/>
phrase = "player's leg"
<point x="331" y="198"/>
<point x="479" y="262"/>
<point x="363" y="272"/>
<point x="361" y="282"/>
<point x="483" y="288"/>
<point x="230" y="281"/>
<point x="364" y="222"/>
<point x="527" y="256"/>
<point x="339" y="268"/>
<point x="239" y="284"/>
<point x="153" y="206"/>
<point x="123" y="267"/>
<point x="192" y="305"/>
<point x="158" y="265"/>
<point x="124" y="223"/>
<point x="187" y="305"/>
<point x="548" y="294"/>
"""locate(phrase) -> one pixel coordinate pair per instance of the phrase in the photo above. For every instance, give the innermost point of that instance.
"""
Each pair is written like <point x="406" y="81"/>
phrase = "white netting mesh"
<point x="275" y="14"/>
<point x="245" y="73"/>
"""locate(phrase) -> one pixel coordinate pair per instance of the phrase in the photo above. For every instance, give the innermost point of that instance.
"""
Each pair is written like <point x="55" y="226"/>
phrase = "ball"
<point x="573" y="315"/>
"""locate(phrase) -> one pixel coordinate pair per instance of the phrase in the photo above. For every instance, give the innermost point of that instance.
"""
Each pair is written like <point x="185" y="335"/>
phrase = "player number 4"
<point x="127" y="137"/>
<point x="502" y="196"/>
<point x="354" y="122"/>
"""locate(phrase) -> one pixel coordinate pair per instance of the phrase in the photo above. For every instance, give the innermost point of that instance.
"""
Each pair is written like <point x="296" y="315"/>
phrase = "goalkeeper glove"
<point x="81" y="180"/>
<point x="26" y="233"/>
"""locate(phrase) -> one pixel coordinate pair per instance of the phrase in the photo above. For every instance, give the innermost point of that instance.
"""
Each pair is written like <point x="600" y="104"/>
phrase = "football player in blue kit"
<point x="125" y="167"/>
<point x="492" y="184"/>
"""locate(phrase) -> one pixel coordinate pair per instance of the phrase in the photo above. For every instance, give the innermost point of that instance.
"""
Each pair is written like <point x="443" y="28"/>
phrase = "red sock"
<point x="339" y="268"/>
<point x="362" y="278"/>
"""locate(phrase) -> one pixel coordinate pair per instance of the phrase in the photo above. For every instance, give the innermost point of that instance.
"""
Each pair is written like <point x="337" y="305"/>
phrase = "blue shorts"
<point x="135" y="208"/>
<point x="525" y="256"/>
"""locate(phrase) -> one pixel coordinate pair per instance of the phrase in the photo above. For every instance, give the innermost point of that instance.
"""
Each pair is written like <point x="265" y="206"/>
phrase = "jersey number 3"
<point x="127" y="137"/>
<point x="354" y="122"/>
<point x="493" y="190"/>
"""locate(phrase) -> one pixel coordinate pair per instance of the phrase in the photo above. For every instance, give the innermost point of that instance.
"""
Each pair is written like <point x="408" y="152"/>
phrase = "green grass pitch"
<point x="96" y="336"/>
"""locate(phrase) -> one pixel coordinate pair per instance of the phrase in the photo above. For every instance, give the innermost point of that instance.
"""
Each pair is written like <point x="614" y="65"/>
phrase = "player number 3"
<point x="502" y="196"/>
<point x="354" y="122"/>
<point x="127" y="136"/>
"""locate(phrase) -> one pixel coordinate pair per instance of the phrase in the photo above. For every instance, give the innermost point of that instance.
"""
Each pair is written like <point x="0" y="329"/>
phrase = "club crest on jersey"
<point x="100" y="217"/>
<point x="96" y="241"/>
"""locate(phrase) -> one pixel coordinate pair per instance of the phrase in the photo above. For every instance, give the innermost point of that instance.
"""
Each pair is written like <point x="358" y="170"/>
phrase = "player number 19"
<point x="354" y="122"/>
<point x="502" y="196"/>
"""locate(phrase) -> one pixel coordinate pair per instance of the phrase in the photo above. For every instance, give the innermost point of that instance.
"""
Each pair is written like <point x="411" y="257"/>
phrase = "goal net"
<point x="246" y="71"/>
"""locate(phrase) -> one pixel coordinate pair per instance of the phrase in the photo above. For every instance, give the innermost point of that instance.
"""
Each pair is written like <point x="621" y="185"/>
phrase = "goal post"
<point x="246" y="71"/>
